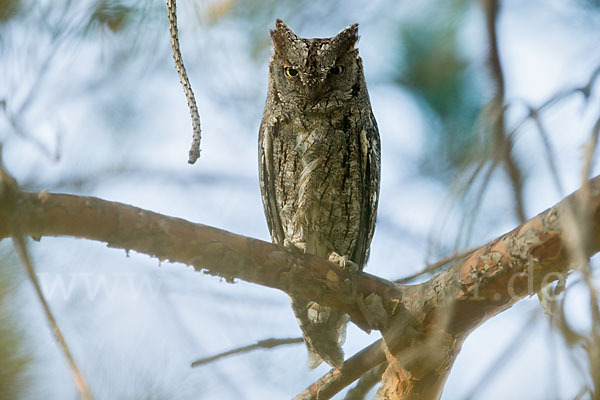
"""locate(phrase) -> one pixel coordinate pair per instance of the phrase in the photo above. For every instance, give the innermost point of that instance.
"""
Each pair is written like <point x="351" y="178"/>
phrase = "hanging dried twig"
<point x="185" y="82"/>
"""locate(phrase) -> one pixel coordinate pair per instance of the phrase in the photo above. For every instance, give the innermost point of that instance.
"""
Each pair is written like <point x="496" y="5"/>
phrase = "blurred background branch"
<point x="89" y="106"/>
<point x="261" y="344"/>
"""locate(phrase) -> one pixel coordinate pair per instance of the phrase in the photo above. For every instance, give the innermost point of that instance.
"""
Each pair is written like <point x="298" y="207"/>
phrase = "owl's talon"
<point x="297" y="246"/>
<point x="343" y="261"/>
<point x="318" y="314"/>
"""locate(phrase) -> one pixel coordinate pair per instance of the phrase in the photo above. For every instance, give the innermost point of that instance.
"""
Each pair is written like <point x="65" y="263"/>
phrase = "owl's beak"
<point x="315" y="93"/>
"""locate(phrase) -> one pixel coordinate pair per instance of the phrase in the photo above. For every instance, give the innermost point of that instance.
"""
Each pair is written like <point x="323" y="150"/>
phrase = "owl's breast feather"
<point x="321" y="186"/>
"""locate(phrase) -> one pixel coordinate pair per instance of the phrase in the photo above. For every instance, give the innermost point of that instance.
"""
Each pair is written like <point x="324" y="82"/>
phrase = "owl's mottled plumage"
<point x="319" y="158"/>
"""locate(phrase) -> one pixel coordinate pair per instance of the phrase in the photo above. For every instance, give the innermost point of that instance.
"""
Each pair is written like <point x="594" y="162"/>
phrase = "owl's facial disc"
<point x="315" y="73"/>
<point x="312" y="87"/>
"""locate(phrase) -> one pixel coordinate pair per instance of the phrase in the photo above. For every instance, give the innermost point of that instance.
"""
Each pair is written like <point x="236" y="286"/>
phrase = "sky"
<point x="135" y="324"/>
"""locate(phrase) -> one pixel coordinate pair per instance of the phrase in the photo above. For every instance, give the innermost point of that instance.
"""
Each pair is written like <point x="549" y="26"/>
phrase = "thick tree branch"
<point x="211" y="250"/>
<point x="423" y="326"/>
<point x="487" y="282"/>
<point x="439" y="314"/>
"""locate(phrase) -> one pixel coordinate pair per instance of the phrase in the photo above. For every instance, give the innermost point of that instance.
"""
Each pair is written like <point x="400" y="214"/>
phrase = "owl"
<point x="319" y="166"/>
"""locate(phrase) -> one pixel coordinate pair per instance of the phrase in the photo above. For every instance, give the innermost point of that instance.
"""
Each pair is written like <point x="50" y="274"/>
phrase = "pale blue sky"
<point x="142" y="337"/>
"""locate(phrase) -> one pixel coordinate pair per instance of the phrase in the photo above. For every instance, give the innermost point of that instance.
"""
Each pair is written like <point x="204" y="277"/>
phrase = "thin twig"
<point x="503" y="141"/>
<point x="533" y="114"/>
<point x="78" y="379"/>
<point x="337" y="379"/>
<point x="62" y="34"/>
<point x="590" y="150"/>
<point x="8" y="193"/>
<point x="459" y="191"/>
<point x="361" y="363"/>
<point x="366" y="383"/>
<point x="194" y="153"/>
<point x="21" y="132"/>
<point x="261" y="344"/>
<point x="432" y="268"/>
<point x="549" y="150"/>
<point x="502" y="360"/>
<point x="572" y="338"/>
<point x="581" y="227"/>
<point x="585" y="90"/>
<point x="470" y="213"/>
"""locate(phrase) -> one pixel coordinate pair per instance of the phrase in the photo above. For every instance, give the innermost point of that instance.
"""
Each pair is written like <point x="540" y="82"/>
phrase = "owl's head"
<point x="312" y="72"/>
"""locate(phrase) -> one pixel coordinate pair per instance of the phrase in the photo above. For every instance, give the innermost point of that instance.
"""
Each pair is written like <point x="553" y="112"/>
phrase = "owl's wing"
<point x="267" y="178"/>
<point x="370" y="148"/>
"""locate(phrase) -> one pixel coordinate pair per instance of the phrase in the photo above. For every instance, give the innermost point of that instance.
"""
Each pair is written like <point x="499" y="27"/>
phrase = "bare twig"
<point x="9" y="193"/>
<point x="432" y="268"/>
<point x="78" y="379"/>
<point x="534" y="114"/>
<point x="20" y="131"/>
<point x="502" y="360"/>
<point x="261" y="344"/>
<point x="80" y="181"/>
<point x="503" y="142"/>
<point x="337" y="379"/>
<point x="470" y="213"/>
<point x="460" y="189"/>
<point x="590" y="150"/>
<point x="549" y="150"/>
<point x="366" y="383"/>
<point x="585" y="90"/>
<point x="62" y="34"/>
<point x="194" y="153"/>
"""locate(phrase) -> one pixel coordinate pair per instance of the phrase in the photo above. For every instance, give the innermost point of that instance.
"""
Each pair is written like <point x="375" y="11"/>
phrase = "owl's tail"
<point x="323" y="330"/>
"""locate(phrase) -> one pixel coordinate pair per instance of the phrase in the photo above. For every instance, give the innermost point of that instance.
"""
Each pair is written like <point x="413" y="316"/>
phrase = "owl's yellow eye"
<point x="291" y="72"/>
<point x="336" y="70"/>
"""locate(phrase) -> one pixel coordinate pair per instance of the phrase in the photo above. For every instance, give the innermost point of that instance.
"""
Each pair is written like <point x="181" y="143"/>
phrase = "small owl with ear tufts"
<point x="319" y="164"/>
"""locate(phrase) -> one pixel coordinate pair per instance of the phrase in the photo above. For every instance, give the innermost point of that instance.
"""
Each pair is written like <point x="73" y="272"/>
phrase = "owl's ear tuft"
<point x="281" y="26"/>
<point x="345" y="40"/>
<point x="282" y="36"/>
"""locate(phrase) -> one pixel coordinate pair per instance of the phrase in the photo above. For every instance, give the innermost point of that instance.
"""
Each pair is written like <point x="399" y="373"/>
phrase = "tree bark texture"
<point x="423" y="326"/>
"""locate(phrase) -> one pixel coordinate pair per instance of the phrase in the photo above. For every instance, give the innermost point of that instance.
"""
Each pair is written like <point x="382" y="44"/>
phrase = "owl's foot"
<point x="318" y="314"/>
<point x="344" y="262"/>
<point x="324" y="331"/>
<point x="300" y="246"/>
